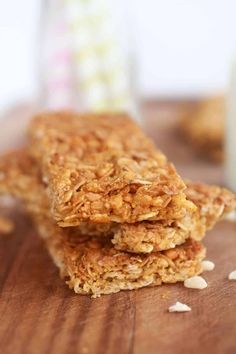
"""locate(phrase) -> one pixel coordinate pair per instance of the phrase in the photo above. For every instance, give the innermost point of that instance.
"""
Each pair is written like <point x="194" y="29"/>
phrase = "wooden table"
<point x="39" y="314"/>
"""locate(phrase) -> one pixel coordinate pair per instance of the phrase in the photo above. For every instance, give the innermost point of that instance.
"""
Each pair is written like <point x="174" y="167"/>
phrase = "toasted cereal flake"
<point x="195" y="282"/>
<point x="232" y="275"/>
<point x="179" y="307"/>
<point x="208" y="265"/>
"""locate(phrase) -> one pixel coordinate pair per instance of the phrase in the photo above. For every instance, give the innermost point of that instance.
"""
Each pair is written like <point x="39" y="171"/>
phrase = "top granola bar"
<point x="103" y="168"/>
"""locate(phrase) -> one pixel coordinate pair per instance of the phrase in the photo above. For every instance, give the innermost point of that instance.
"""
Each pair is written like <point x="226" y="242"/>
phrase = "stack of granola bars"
<point x="112" y="210"/>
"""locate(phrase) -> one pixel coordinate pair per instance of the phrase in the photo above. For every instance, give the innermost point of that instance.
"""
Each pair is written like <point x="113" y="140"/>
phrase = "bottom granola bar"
<point x="93" y="266"/>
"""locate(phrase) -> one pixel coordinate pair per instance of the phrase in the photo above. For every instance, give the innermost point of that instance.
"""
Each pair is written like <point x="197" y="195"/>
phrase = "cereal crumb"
<point x="179" y="307"/>
<point x="232" y="275"/>
<point x="195" y="282"/>
<point x="208" y="265"/>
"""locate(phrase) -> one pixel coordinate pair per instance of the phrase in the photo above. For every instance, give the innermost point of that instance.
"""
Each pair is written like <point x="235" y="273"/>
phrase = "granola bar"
<point x="205" y="128"/>
<point x="213" y="203"/>
<point x="21" y="178"/>
<point x="94" y="266"/>
<point x="102" y="168"/>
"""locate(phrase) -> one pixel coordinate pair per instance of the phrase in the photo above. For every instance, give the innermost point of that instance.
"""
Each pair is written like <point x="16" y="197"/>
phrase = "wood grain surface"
<point x="39" y="314"/>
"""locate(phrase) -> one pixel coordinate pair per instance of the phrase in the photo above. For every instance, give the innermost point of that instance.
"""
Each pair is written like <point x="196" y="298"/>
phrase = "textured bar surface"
<point x="94" y="266"/>
<point x="102" y="168"/>
<point x="21" y="178"/>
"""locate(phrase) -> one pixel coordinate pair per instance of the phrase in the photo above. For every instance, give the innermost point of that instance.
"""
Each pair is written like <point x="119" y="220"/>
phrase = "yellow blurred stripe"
<point x="93" y="50"/>
<point x="88" y="21"/>
<point x="102" y="77"/>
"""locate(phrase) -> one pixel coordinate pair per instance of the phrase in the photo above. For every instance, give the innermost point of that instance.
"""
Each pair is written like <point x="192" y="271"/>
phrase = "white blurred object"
<point x="55" y="58"/>
<point x="179" y="307"/>
<point x="207" y="266"/>
<point x="231" y="216"/>
<point x="18" y="39"/>
<point x="84" y="66"/>
<point x="232" y="275"/>
<point x="230" y="141"/>
<point x="183" y="48"/>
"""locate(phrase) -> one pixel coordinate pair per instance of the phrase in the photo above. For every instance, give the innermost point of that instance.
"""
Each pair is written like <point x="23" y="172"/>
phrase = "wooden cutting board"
<point x="39" y="314"/>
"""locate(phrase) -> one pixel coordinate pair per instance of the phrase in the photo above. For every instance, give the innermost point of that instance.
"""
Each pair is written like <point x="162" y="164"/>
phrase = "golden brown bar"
<point x="102" y="168"/>
<point x="21" y="178"/>
<point x="94" y="266"/>
<point x="213" y="204"/>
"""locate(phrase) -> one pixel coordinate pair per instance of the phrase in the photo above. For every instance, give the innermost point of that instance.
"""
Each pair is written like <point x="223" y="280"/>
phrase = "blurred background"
<point x="168" y="63"/>
<point x="176" y="48"/>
